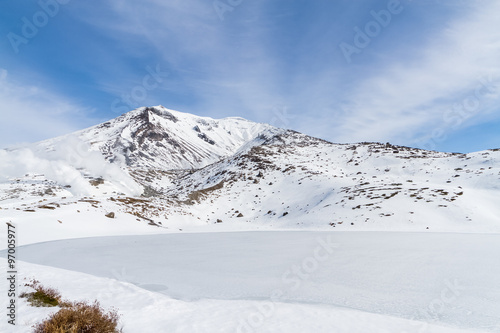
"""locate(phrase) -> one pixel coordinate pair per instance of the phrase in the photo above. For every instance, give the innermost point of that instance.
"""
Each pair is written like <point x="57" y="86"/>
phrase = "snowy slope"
<point x="295" y="181"/>
<point x="159" y="138"/>
<point x="145" y="140"/>
<point x="253" y="176"/>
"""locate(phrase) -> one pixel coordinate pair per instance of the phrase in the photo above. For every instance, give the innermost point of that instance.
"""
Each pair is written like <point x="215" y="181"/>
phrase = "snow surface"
<point x="278" y="281"/>
<point x="251" y="173"/>
<point x="156" y="137"/>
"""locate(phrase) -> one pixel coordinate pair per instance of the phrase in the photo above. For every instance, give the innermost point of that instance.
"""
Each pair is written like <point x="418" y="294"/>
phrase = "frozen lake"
<point x="445" y="278"/>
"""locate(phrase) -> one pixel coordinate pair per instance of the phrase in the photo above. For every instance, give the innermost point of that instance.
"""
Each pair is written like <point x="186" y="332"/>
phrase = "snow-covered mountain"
<point x="168" y="186"/>
<point x="171" y="169"/>
<point x="158" y="138"/>
<point x="295" y="181"/>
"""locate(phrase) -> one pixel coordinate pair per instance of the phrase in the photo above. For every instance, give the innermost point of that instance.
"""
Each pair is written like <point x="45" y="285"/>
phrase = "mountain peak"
<point x="148" y="112"/>
<point x="155" y="137"/>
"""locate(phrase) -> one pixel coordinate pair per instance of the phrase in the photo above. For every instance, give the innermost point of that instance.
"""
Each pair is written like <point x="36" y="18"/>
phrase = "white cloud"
<point x="409" y="98"/>
<point x="30" y="113"/>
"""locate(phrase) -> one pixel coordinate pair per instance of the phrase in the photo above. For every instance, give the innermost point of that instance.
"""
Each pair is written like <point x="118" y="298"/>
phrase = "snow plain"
<point x="283" y="281"/>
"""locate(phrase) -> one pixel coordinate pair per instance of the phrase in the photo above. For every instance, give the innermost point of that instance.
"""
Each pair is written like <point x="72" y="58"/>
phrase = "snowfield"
<point x="178" y="171"/>
<point x="278" y="281"/>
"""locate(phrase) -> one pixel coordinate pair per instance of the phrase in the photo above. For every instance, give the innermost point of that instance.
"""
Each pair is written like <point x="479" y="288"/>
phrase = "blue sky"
<point x="418" y="73"/>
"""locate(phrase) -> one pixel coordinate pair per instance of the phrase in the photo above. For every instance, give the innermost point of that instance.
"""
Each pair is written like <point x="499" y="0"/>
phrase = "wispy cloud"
<point x="33" y="113"/>
<point x="285" y="54"/>
<point x="222" y="68"/>
<point x="408" y="98"/>
<point x="235" y="68"/>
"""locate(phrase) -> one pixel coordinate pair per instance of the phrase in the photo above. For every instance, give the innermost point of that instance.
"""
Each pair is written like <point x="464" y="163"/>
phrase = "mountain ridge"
<point x="179" y="140"/>
<point x="236" y="172"/>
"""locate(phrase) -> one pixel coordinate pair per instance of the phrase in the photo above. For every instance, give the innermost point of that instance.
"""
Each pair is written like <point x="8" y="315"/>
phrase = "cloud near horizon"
<point x="31" y="113"/>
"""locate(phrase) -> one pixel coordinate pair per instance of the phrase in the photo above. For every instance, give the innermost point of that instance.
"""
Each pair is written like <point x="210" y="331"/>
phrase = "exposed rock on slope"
<point x="196" y="170"/>
<point x="158" y="138"/>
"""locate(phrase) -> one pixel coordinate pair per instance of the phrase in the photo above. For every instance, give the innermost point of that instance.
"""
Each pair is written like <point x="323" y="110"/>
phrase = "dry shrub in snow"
<point x="80" y="317"/>
<point x="42" y="296"/>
